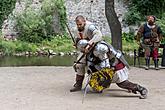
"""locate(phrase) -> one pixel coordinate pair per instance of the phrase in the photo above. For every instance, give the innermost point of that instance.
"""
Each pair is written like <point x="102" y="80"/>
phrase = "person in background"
<point x="148" y="37"/>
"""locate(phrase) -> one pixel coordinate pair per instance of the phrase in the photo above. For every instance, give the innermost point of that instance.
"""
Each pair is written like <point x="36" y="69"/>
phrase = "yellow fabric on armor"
<point x="101" y="79"/>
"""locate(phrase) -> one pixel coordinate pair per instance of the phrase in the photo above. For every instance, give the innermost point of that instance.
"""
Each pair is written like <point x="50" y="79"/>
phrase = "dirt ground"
<point x="47" y="88"/>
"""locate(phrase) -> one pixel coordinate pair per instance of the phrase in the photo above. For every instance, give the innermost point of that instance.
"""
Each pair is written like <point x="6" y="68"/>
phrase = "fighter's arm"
<point x="75" y="36"/>
<point x="96" y="34"/>
<point x="105" y="62"/>
<point x="159" y="32"/>
<point x="139" y="33"/>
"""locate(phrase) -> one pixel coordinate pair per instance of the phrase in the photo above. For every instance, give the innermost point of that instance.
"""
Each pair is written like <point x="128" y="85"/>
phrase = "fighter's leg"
<point x="147" y="56"/>
<point x="134" y="88"/>
<point x="155" y="57"/>
<point x="80" y="72"/>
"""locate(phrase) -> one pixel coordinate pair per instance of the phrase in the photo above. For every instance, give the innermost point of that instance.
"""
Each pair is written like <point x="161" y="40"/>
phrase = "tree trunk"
<point x="114" y="24"/>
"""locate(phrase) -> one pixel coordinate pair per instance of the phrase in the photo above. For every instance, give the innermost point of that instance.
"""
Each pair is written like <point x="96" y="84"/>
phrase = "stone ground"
<point x="47" y="88"/>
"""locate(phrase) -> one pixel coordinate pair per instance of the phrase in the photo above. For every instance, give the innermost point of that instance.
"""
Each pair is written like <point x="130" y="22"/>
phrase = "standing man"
<point x="149" y="36"/>
<point x="84" y="30"/>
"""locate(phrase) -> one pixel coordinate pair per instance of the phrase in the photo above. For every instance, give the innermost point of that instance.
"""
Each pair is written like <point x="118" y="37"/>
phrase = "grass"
<point x="126" y="45"/>
<point x="129" y="46"/>
<point x="57" y="44"/>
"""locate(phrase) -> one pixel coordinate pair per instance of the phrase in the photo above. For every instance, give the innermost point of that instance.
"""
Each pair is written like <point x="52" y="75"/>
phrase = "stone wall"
<point x="94" y="10"/>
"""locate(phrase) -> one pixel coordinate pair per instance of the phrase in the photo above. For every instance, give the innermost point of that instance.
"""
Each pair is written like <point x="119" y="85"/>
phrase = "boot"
<point x="143" y="91"/>
<point x="132" y="87"/>
<point x="147" y="63"/>
<point x="156" y="64"/>
<point x="78" y="85"/>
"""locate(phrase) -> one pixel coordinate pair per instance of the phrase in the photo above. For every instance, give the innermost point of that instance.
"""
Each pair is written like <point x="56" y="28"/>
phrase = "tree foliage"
<point x="161" y="23"/>
<point x="37" y="25"/>
<point x="139" y="9"/>
<point x="6" y="7"/>
<point x="149" y="7"/>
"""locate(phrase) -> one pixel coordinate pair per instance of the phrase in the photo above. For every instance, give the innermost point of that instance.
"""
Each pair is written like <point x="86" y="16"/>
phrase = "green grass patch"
<point x="59" y="43"/>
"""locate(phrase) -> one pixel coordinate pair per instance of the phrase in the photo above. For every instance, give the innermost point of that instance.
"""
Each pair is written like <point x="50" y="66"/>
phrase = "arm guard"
<point x="96" y="34"/>
<point x="140" y="33"/>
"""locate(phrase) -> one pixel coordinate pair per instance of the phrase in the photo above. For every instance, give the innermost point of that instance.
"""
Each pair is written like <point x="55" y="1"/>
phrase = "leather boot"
<point x="134" y="88"/>
<point x="78" y="85"/>
<point x="147" y="63"/>
<point x="143" y="91"/>
<point x="156" y="64"/>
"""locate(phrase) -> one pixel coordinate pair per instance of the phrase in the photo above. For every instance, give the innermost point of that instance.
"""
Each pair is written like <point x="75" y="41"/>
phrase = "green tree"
<point x="161" y="23"/>
<point x="149" y="7"/>
<point x="6" y="7"/>
<point x="139" y="9"/>
<point x="37" y="25"/>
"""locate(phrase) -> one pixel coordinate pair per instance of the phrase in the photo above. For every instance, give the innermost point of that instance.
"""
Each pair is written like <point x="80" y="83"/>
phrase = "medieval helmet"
<point x="100" y="50"/>
<point x="82" y="44"/>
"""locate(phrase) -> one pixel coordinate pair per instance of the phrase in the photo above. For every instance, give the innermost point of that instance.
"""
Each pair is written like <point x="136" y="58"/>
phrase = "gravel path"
<point x="47" y="88"/>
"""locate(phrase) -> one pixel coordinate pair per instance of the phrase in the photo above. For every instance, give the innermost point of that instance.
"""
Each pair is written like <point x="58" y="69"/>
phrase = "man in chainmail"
<point x="84" y="30"/>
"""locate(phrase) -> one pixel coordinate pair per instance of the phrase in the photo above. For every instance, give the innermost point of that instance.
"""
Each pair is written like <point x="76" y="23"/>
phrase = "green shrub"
<point x="25" y="47"/>
<point x="161" y="23"/>
<point x="129" y="46"/>
<point x="129" y="37"/>
<point x="59" y="43"/>
<point x="132" y="16"/>
<point x="107" y="39"/>
<point x="139" y="9"/>
<point x="34" y="26"/>
<point x="7" y="7"/>
<point x="128" y="42"/>
<point x="8" y="48"/>
<point x="30" y="26"/>
<point x="149" y="7"/>
<point x="48" y="9"/>
<point x="13" y="47"/>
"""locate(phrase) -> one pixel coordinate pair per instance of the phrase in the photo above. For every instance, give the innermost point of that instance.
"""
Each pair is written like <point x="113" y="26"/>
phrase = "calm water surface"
<point x="44" y="61"/>
<point x="37" y="61"/>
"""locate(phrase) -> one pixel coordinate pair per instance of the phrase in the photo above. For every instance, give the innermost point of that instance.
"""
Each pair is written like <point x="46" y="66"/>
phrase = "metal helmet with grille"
<point x="82" y="44"/>
<point x="100" y="50"/>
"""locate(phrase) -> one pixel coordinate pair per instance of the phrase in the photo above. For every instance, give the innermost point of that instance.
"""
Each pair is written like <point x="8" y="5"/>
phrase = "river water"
<point x="45" y="60"/>
<point x="36" y="61"/>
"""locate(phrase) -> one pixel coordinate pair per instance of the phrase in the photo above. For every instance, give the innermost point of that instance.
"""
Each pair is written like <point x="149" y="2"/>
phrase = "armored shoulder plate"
<point x="91" y="28"/>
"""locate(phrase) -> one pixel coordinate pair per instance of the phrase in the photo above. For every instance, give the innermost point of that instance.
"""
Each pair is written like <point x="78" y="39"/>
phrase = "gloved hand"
<point x="88" y="48"/>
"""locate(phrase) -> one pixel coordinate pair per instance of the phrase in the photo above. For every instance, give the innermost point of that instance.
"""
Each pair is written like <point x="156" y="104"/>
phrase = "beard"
<point x="81" y="29"/>
<point x="150" y="23"/>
